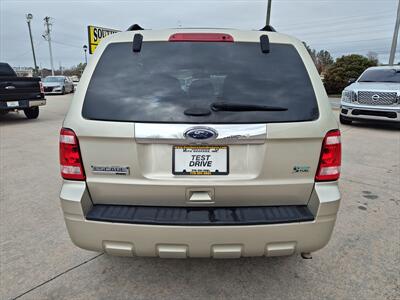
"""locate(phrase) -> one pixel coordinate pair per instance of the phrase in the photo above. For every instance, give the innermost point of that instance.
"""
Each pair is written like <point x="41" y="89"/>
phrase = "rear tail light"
<point x="331" y="157"/>
<point x="70" y="156"/>
<point x="41" y="87"/>
<point x="200" y="37"/>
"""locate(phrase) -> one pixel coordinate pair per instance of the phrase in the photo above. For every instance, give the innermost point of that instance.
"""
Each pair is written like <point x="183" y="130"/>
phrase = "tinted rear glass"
<point x="165" y="79"/>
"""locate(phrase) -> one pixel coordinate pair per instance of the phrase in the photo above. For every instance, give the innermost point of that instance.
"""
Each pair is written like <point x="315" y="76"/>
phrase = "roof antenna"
<point x="268" y="26"/>
<point x="268" y="20"/>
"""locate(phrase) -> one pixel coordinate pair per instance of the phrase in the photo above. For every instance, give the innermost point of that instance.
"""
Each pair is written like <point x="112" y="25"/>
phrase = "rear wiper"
<point x="228" y="106"/>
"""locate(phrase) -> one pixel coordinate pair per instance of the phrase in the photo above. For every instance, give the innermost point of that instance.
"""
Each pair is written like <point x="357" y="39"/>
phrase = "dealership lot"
<point x="38" y="260"/>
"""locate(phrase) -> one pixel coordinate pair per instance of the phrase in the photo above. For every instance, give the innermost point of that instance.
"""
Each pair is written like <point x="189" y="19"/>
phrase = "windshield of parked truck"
<point x="383" y="75"/>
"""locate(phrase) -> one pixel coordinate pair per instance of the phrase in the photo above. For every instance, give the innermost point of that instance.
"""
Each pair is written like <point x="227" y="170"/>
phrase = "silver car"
<point x="58" y="85"/>
<point x="375" y="95"/>
<point x="200" y="143"/>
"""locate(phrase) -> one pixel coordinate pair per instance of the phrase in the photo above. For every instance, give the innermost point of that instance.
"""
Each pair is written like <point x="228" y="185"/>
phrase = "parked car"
<point x="200" y="143"/>
<point x="75" y="80"/>
<point x="375" y="95"/>
<point x="58" y="85"/>
<point x="20" y="93"/>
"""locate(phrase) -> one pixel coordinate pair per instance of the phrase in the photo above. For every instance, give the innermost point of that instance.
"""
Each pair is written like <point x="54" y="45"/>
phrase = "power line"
<point x="351" y="30"/>
<point x="24" y="53"/>
<point x="356" y="41"/>
<point x="335" y="20"/>
<point x="65" y="44"/>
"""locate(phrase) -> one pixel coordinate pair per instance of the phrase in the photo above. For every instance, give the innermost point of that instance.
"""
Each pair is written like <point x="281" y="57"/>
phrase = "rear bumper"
<point x="22" y="104"/>
<point x="200" y="241"/>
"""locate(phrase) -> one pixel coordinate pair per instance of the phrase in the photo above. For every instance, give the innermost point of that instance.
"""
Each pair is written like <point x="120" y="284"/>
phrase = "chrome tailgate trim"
<point x="155" y="133"/>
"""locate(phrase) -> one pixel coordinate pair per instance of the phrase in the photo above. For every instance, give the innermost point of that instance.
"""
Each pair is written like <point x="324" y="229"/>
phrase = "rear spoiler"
<point x="138" y="27"/>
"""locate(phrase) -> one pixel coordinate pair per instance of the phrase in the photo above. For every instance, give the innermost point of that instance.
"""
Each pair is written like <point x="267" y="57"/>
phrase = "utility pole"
<point x="29" y="17"/>
<point x="395" y="36"/>
<point x="47" y="37"/>
<point x="268" y="21"/>
<point x="85" y="49"/>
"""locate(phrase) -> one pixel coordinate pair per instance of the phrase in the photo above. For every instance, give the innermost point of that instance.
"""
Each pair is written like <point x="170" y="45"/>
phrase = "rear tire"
<point x="32" y="112"/>
<point x="344" y="120"/>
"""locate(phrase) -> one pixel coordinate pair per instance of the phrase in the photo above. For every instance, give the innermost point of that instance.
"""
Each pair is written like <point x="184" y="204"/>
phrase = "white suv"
<point x="375" y="95"/>
<point x="200" y="143"/>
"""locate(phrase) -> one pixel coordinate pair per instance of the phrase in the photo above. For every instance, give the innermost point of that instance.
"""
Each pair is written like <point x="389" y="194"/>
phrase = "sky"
<point x="339" y="26"/>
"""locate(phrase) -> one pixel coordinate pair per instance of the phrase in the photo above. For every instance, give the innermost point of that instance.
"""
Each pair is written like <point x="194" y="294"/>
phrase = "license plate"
<point x="200" y="160"/>
<point x="12" y="103"/>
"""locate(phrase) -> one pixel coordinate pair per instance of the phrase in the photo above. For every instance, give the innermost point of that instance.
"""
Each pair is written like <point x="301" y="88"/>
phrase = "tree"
<point x="345" y="68"/>
<point x="323" y="61"/>
<point x="312" y="52"/>
<point x="75" y="70"/>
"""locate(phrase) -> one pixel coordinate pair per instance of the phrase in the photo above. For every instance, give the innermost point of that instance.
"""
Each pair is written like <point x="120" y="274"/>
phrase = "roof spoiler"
<point x="134" y="27"/>
<point x="268" y="28"/>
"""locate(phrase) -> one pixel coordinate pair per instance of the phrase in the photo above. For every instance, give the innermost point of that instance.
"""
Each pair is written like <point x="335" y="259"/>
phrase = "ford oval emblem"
<point x="200" y="133"/>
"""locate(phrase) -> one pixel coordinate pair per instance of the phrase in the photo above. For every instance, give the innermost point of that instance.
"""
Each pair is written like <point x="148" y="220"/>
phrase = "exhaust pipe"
<point x="306" y="255"/>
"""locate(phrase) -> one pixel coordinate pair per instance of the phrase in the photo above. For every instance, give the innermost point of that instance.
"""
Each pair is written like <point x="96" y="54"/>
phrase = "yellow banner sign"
<point x="95" y="34"/>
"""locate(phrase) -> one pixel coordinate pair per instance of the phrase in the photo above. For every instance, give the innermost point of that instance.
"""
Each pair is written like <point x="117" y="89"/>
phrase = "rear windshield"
<point x="166" y="79"/>
<point x="387" y="75"/>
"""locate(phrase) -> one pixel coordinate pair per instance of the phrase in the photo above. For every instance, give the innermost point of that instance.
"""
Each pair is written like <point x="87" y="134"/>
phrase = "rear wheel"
<point x="32" y="112"/>
<point x="344" y="120"/>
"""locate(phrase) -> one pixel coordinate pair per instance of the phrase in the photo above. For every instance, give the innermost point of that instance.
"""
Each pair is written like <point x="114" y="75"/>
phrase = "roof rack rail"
<point x="268" y="28"/>
<point x="135" y="27"/>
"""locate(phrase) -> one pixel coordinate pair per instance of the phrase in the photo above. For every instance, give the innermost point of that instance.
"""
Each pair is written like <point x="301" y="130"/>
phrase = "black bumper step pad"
<point x="199" y="216"/>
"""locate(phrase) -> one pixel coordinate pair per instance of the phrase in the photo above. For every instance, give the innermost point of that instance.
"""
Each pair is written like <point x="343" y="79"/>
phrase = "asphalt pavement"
<point x="335" y="102"/>
<point x="38" y="260"/>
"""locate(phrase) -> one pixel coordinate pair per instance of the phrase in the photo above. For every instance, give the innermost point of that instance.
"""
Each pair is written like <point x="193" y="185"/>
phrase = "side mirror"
<point x="351" y="80"/>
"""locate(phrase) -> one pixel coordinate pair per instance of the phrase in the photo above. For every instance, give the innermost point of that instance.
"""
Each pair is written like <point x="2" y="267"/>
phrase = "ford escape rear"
<point x="200" y="143"/>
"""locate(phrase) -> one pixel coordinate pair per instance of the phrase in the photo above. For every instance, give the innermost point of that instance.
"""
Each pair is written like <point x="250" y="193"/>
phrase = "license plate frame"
<point x="204" y="171"/>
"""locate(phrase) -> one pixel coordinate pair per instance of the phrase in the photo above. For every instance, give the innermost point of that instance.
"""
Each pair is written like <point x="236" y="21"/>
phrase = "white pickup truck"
<point x="375" y="95"/>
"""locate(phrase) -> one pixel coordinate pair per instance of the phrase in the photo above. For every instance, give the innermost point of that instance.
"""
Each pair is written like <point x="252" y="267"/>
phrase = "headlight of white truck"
<point x="348" y="96"/>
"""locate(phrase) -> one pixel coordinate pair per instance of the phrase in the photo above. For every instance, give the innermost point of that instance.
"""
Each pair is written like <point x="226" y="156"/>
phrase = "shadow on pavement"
<point x="15" y="117"/>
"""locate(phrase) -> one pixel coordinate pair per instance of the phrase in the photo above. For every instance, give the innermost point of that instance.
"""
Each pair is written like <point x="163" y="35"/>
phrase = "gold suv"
<point x="200" y="143"/>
